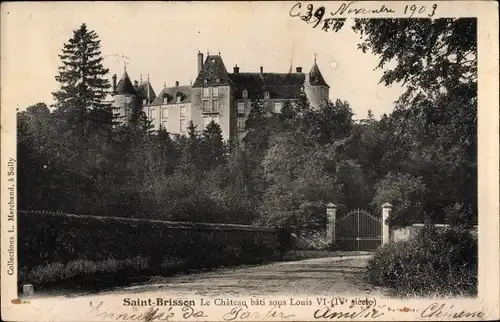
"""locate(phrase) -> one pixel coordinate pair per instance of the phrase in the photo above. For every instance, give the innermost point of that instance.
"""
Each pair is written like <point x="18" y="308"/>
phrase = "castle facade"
<point x="217" y="95"/>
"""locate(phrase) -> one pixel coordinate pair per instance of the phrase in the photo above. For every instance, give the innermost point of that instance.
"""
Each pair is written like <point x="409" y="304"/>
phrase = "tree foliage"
<point x="81" y="99"/>
<point x="421" y="157"/>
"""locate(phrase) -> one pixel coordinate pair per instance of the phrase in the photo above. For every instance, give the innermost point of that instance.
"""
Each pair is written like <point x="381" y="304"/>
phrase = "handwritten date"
<point x="319" y="15"/>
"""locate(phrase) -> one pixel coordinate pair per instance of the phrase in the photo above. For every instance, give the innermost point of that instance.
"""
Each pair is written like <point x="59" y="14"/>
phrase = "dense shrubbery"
<point x="312" y="240"/>
<point x="55" y="247"/>
<point x="442" y="261"/>
<point x="421" y="158"/>
<point x="78" y="269"/>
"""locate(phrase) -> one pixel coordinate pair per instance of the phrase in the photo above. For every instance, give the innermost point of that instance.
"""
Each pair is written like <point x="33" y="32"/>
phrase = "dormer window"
<point x="165" y="99"/>
<point x="128" y="99"/>
<point x="179" y="98"/>
<point x="266" y="95"/>
<point x="144" y="101"/>
<point x="217" y="80"/>
<point x="206" y="80"/>
<point x="245" y="93"/>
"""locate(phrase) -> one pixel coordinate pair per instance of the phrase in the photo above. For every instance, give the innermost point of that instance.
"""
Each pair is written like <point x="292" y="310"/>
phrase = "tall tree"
<point x="333" y="121"/>
<point x="256" y="141"/>
<point x="213" y="145"/>
<point x="433" y="130"/>
<point x="81" y="98"/>
<point x="191" y="152"/>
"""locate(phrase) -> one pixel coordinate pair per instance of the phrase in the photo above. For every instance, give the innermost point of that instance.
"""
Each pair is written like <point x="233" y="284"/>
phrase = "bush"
<point x="44" y="274"/>
<point x="435" y="262"/>
<point x="406" y="193"/>
<point x="60" y="246"/>
<point x="312" y="240"/>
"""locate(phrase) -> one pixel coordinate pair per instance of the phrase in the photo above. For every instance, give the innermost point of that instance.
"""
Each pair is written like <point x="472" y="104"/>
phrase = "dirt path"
<point x="320" y="276"/>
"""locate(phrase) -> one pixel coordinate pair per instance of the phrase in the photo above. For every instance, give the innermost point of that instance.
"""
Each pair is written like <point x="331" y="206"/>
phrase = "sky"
<point x="162" y="40"/>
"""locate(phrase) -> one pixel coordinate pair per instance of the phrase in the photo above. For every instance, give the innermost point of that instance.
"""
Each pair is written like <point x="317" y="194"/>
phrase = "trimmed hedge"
<point x="80" y="245"/>
<point x="435" y="262"/>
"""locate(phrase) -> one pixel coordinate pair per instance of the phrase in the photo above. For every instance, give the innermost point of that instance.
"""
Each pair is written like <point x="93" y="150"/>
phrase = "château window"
<point x="164" y="125"/>
<point x="128" y="99"/>
<point x="206" y="121"/>
<point x="144" y="101"/>
<point x="182" y="111"/>
<point x="277" y="107"/>
<point x="215" y="92"/>
<point x="240" y="124"/>
<point x="182" y="125"/>
<point x="241" y="108"/>
<point x="164" y="113"/>
<point x="245" y="93"/>
<point x="215" y="106"/>
<point x="266" y="95"/>
<point x="178" y="99"/>
<point x="153" y="113"/>
<point x="206" y="105"/>
<point x="206" y="92"/>
<point x="165" y="99"/>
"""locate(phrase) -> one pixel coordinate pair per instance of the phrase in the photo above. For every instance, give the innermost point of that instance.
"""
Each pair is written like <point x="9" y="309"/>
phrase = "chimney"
<point x="200" y="61"/>
<point x="114" y="83"/>
<point x="236" y="69"/>
<point x="136" y="84"/>
<point x="299" y="69"/>
<point x="261" y="69"/>
<point x="176" y="83"/>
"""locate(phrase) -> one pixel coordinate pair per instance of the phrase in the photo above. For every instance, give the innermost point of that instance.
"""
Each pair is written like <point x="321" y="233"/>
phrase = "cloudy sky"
<point x="162" y="40"/>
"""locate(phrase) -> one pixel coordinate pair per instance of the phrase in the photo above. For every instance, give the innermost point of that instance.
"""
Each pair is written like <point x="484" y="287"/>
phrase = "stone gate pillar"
<point x="331" y="217"/>
<point x="386" y="211"/>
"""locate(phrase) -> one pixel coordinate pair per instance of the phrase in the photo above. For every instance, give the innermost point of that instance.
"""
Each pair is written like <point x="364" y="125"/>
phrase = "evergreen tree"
<point x="81" y="99"/>
<point x="191" y="155"/>
<point x="163" y="135"/>
<point x="213" y="145"/>
<point x="138" y="120"/>
<point x="257" y="138"/>
<point x="286" y="119"/>
<point x="371" y="117"/>
<point x="167" y="153"/>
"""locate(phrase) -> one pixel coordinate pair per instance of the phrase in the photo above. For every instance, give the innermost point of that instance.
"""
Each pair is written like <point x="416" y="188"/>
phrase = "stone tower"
<point x="125" y="97"/>
<point x="315" y="87"/>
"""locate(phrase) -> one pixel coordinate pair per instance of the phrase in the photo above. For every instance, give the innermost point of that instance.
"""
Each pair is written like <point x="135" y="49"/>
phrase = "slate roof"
<point x="315" y="76"/>
<point x="279" y="85"/>
<point x="143" y="91"/>
<point x="125" y="86"/>
<point x="172" y="92"/>
<point x="212" y="69"/>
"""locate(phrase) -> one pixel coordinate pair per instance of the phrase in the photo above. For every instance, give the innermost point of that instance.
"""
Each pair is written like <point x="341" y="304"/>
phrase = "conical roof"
<point x="212" y="69"/>
<point x="125" y="85"/>
<point x="143" y="91"/>
<point x="315" y="77"/>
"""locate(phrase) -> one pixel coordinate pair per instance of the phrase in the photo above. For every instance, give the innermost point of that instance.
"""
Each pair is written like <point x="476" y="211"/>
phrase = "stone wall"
<point x="48" y="238"/>
<point x="409" y="232"/>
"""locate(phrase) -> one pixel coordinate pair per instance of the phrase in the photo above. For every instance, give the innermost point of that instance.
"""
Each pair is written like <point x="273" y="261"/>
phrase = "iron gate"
<point x="358" y="230"/>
